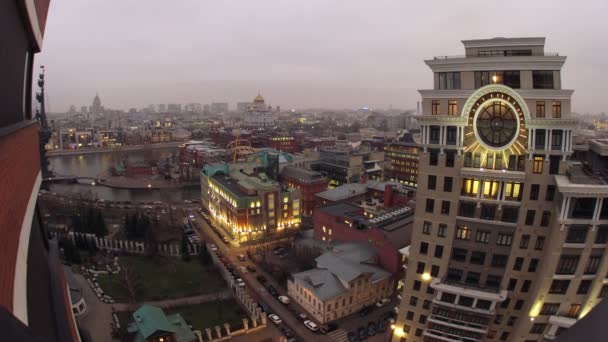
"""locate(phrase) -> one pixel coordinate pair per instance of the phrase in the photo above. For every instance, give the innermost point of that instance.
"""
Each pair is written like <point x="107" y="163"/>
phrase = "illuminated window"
<point x="324" y="229"/>
<point x="435" y="107"/>
<point x="540" y="109"/>
<point x="330" y="231"/>
<point x="463" y="233"/>
<point x="252" y="205"/>
<point x="258" y="204"/>
<point x="557" y="109"/>
<point x="490" y="189"/>
<point x="452" y="107"/>
<point x="512" y="191"/>
<point x="539" y="161"/>
<point x="470" y="187"/>
<point x="285" y="199"/>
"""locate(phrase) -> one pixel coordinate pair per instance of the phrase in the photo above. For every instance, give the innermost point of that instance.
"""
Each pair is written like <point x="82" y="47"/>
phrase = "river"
<point x="93" y="164"/>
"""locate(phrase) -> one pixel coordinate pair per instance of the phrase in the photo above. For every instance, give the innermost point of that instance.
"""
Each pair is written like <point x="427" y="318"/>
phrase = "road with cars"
<point x="258" y="290"/>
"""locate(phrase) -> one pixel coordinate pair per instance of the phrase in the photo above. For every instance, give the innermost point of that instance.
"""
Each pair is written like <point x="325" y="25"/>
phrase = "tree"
<point x="130" y="280"/>
<point x="70" y="252"/>
<point x="76" y="223"/>
<point x="151" y="243"/>
<point x="184" y="249"/>
<point x="203" y="255"/>
<point x="99" y="225"/>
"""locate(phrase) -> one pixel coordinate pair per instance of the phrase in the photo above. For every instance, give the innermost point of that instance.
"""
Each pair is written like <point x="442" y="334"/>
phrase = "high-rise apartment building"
<point x="509" y="232"/>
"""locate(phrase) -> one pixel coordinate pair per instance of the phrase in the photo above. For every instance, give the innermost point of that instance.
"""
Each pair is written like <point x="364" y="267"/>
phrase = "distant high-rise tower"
<point x="96" y="107"/>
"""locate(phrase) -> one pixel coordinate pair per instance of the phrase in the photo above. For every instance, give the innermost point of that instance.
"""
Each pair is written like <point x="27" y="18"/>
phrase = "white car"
<point x="240" y="282"/>
<point x="275" y="319"/>
<point x="382" y="302"/>
<point x="284" y="299"/>
<point x="311" y="325"/>
<point x="213" y="247"/>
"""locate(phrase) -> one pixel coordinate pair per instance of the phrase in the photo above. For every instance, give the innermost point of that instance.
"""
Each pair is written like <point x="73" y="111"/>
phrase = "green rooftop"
<point x="150" y="321"/>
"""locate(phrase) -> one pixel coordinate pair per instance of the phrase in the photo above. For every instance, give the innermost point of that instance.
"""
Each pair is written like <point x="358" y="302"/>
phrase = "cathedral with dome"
<point x="259" y="115"/>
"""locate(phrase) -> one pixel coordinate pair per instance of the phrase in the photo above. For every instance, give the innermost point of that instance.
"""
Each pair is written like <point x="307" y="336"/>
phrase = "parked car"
<point x="327" y="328"/>
<point x="302" y="317"/>
<point x="273" y="291"/>
<point x="242" y="257"/>
<point x="353" y="337"/>
<point x="213" y="247"/>
<point x="261" y="279"/>
<point x="362" y="332"/>
<point x="279" y="251"/>
<point x="250" y="268"/>
<point x="275" y="319"/>
<point x="371" y="329"/>
<point x="382" y="302"/>
<point x="383" y="325"/>
<point x="312" y="326"/>
<point x="284" y="299"/>
<point x="225" y="239"/>
<point x="286" y="331"/>
<point x="240" y="282"/>
<point x="366" y="310"/>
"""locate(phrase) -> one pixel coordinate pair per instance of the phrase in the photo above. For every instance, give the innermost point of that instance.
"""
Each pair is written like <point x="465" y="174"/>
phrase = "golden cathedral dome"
<point x="258" y="98"/>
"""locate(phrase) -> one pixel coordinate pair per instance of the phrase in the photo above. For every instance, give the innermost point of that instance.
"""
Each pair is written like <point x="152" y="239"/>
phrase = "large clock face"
<point x="496" y="124"/>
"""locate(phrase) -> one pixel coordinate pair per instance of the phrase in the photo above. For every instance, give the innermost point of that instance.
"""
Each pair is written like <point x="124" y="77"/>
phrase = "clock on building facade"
<point x="496" y="126"/>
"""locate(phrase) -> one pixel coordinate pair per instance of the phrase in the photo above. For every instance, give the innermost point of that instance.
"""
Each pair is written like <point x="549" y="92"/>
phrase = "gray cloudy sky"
<point x="309" y="53"/>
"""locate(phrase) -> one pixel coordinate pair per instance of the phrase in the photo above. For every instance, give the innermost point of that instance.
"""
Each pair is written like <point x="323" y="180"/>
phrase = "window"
<point x="550" y="195"/>
<point x="438" y="251"/>
<point x="463" y="233"/>
<point x="430" y="205"/>
<point x="432" y="182"/>
<point x="493" y="281"/>
<point x="478" y="258"/>
<point x="418" y="332"/>
<point x="518" y="264"/>
<point x="602" y="234"/>
<point x="417" y="284"/>
<point x="459" y="254"/>
<point x="525" y="240"/>
<point x="549" y="309"/>
<point x="511" y="321"/>
<point x="449" y="80"/>
<point x="518" y="305"/>
<point x="473" y="279"/>
<point x="582" y="207"/>
<point x="504" y="239"/>
<point x="530" y="217"/>
<point x="435" y="107"/>
<point x="482" y="236"/>
<point x="540" y="243"/>
<point x="447" y="184"/>
<point x="544" y="220"/>
<point x="512" y="191"/>
<point x="533" y="265"/>
<point x="534" y="191"/>
<point x="559" y="286"/>
<point x="426" y="304"/>
<point x="504" y="336"/>
<point x="525" y="287"/>
<point x="450" y="157"/>
<point x="538" y="328"/>
<point x="424" y="248"/>
<point x="420" y="268"/>
<point x="409" y="315"/>
<point x="537" y="167"/>
<point x="557" y="109"/>
<point x="512" y="284"/>
<point x="433" y="157"/>
<point x="488" y="211"/>
<point x="499" y="260"/>
<point x="413" y="301"/>
<point x="442" y="230"/>
<point x="445" y="207"/>
<point x="510" y="214"/>
<point x="422" y="319"/>
<point x="426" y="227"/>
<point x="508" y="78"/>
<point x="470" y="187"/>
<point x="490" y="189"/>
<point x="452" y="107"/>
<point x="540" y="109"/>
<point x="505" y="303"/>
<point x="567" y="264"/>
<point x="593" y="264"/>
<point x="434" y="271"/>
<point x="577" y="234"/>
<point x="542" y="79"/>
<point x="575" y="310"/>
<point x="554" y="164"/>
<point x="583" y="287"/>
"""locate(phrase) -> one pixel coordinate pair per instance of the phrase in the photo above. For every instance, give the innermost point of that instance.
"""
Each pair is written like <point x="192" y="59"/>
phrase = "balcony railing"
<point x="546" y="54"/>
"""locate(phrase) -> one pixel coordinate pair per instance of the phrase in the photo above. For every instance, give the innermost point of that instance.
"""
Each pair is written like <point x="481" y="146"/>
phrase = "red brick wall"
<point x="19" y="167"/>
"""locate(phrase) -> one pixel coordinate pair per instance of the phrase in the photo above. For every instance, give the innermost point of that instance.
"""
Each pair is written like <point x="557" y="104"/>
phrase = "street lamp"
<point x="426" y="277"/>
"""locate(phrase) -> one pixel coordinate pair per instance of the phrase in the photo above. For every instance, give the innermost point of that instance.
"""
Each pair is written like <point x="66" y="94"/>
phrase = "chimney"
<point x="388" y="195"/>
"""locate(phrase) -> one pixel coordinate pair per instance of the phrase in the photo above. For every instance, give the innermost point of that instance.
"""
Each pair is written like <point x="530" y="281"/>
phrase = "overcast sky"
<point x="309" y="53"/>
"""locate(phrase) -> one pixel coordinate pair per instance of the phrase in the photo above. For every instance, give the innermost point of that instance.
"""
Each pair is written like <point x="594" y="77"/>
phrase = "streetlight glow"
<point x="426" y="276"/>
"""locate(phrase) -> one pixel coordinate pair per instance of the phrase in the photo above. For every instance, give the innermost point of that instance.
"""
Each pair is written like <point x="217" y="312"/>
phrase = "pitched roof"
<point x="149" y="320"/>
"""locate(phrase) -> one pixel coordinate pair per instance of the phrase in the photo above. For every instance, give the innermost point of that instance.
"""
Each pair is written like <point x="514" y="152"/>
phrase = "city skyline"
<point x="327" y="57"/>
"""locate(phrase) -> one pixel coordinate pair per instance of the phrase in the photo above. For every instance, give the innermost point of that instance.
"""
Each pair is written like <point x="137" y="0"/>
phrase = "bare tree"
<point x="130" y="280"/>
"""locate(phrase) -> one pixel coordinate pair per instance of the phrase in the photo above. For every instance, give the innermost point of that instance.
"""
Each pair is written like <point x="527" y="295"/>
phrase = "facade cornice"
<point x="556" y="94"/>
<point x="497" y="63"/>
<point x="567" y="188"/>
<point x="551" y="123"/>
<point x="442" y="119"/>
<point x="482" y="173"/>
<point x="504" y="42"/>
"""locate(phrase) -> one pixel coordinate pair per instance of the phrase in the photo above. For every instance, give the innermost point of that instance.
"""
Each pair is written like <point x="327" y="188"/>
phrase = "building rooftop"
<point x="149" y="320"/>
<point x="302" y="174"/>
<point x="338" y="267"/>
